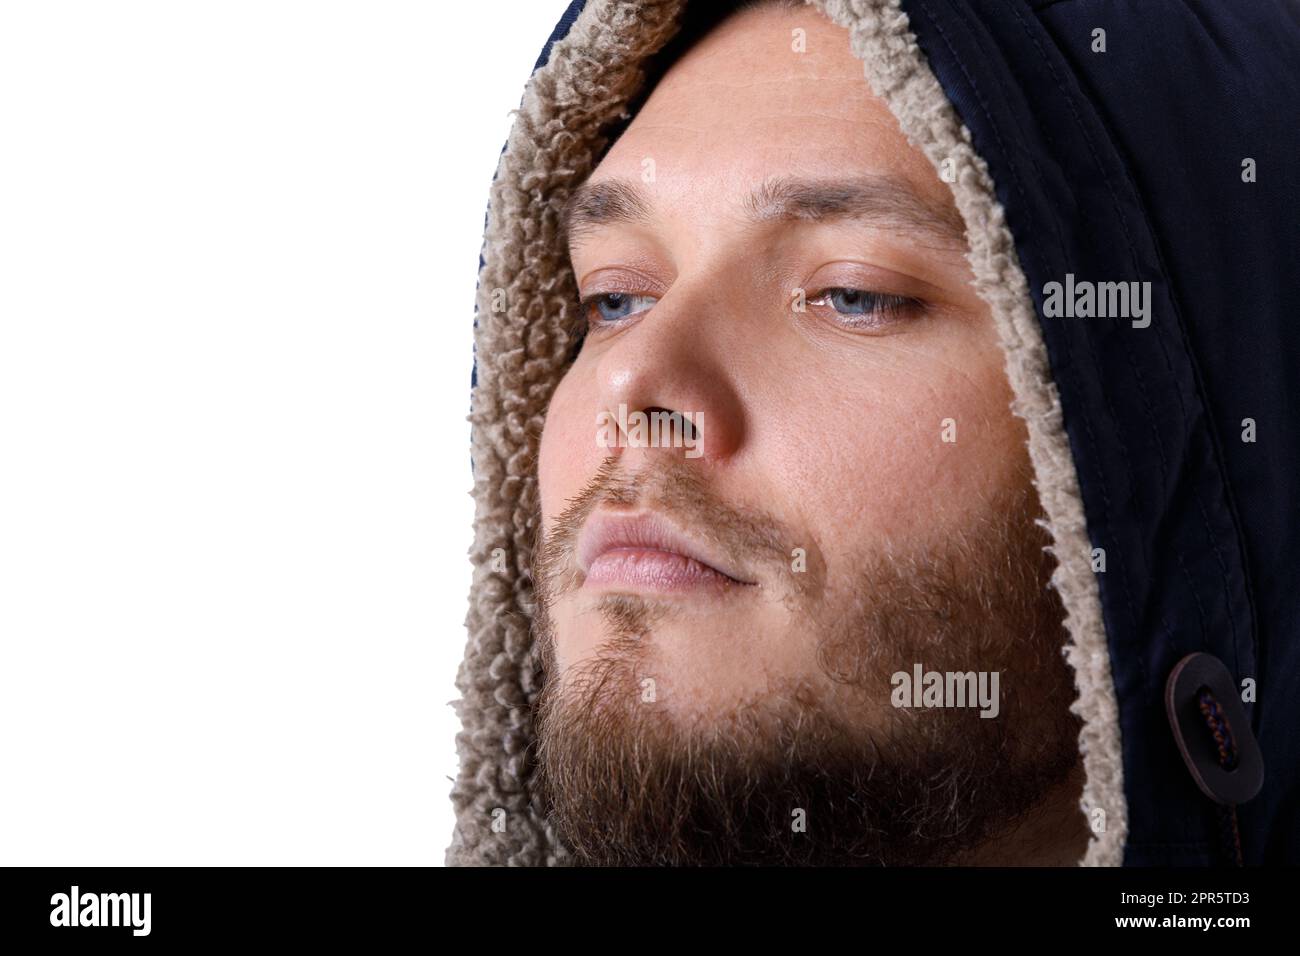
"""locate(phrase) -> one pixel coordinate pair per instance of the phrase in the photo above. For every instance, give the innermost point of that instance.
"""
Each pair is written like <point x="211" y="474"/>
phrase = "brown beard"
<point x="782" y="777"/>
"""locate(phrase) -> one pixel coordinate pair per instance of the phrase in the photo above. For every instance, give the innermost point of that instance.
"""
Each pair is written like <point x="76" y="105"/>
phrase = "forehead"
<point x="768" y="92"/>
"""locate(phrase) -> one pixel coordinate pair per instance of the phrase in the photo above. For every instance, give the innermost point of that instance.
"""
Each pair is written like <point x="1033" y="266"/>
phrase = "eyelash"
<point x="884" y="307"/>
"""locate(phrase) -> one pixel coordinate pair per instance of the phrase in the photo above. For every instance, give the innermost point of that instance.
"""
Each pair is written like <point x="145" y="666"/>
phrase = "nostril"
<point x="675" y="420"/>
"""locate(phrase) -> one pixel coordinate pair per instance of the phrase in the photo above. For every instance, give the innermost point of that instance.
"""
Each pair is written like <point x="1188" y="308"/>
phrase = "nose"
<point x="672" y="369"/>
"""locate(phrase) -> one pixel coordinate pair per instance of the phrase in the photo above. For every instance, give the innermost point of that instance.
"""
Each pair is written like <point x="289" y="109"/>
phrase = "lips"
<point x="647" y="551"/>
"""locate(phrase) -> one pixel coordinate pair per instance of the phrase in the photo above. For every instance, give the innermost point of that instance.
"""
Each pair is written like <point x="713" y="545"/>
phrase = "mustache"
<point x="749" y="536"/>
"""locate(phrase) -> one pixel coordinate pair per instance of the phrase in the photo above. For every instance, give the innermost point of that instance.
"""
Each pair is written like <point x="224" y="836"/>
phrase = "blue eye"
<point x="604" y="307"/>
<point x="862" y="309"/>
<point x="862" y="302"/>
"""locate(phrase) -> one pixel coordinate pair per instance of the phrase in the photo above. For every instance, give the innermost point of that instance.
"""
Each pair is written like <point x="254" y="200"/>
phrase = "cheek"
<point x="902" y="452"/>
<point x="568" y="455"/>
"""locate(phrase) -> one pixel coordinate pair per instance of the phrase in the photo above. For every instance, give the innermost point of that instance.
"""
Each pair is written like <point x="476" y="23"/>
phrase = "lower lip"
<point x="654" y="571"/>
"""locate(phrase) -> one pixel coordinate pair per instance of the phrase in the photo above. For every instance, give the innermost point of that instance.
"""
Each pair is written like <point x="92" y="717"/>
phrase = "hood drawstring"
<point x="1226" y="747"/>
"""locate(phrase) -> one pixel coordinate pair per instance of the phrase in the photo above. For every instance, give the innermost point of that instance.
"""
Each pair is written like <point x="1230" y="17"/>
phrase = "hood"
<point x="1082" y="139"/>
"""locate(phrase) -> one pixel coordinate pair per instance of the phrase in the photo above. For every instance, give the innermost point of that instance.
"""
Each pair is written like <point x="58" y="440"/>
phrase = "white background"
<point x="238" y="250"/>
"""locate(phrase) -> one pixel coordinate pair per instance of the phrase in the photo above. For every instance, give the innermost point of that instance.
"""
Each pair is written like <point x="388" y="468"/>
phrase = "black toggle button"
<point x="1212" y="730"/>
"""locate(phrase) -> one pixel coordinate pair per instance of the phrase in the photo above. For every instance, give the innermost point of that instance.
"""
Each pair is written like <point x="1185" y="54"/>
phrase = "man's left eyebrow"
<point x="886" y="201"/>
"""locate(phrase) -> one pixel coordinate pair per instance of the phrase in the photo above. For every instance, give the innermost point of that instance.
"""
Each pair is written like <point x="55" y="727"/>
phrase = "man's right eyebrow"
<point x="600" y="203"/>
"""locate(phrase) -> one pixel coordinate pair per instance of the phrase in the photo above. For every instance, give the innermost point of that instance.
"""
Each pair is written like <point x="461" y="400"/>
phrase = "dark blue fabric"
<point x="1126" y="166"/>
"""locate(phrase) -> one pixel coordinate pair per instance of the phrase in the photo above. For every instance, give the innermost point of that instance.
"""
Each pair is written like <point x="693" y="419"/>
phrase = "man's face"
<point x="763" y="246"/>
